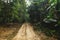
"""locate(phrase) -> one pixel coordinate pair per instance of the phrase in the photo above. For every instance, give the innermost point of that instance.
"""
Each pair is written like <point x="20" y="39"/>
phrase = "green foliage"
<point x="47" y="15"/>
<point x="13" y="12"/>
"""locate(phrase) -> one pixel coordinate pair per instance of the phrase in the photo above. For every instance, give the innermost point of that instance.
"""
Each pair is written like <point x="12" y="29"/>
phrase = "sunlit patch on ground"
<point x="26" y="32"/>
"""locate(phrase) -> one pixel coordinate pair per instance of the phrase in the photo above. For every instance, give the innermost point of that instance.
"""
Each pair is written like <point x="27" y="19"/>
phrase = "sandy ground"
<point x="26" y="32"/>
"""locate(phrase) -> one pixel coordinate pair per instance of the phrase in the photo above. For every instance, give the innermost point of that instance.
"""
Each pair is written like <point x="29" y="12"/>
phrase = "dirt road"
<point x="26" y="32"/>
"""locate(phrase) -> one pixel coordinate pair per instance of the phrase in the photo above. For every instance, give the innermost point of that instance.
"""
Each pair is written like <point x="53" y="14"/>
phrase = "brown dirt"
<point x="8" y="31"/>
<point x="24" y="32"/>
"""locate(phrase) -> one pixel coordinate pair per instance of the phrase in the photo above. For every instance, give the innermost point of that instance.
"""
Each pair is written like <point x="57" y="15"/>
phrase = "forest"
<point x="43" y="15"/>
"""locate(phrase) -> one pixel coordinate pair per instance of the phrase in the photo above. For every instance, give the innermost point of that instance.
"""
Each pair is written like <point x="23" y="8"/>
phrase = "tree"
<point x="38" y="10"/>
<point x="12" y="11"/>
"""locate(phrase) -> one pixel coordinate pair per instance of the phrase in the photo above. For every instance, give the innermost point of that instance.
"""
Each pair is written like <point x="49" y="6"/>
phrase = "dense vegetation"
<point x="45" y="14"/>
